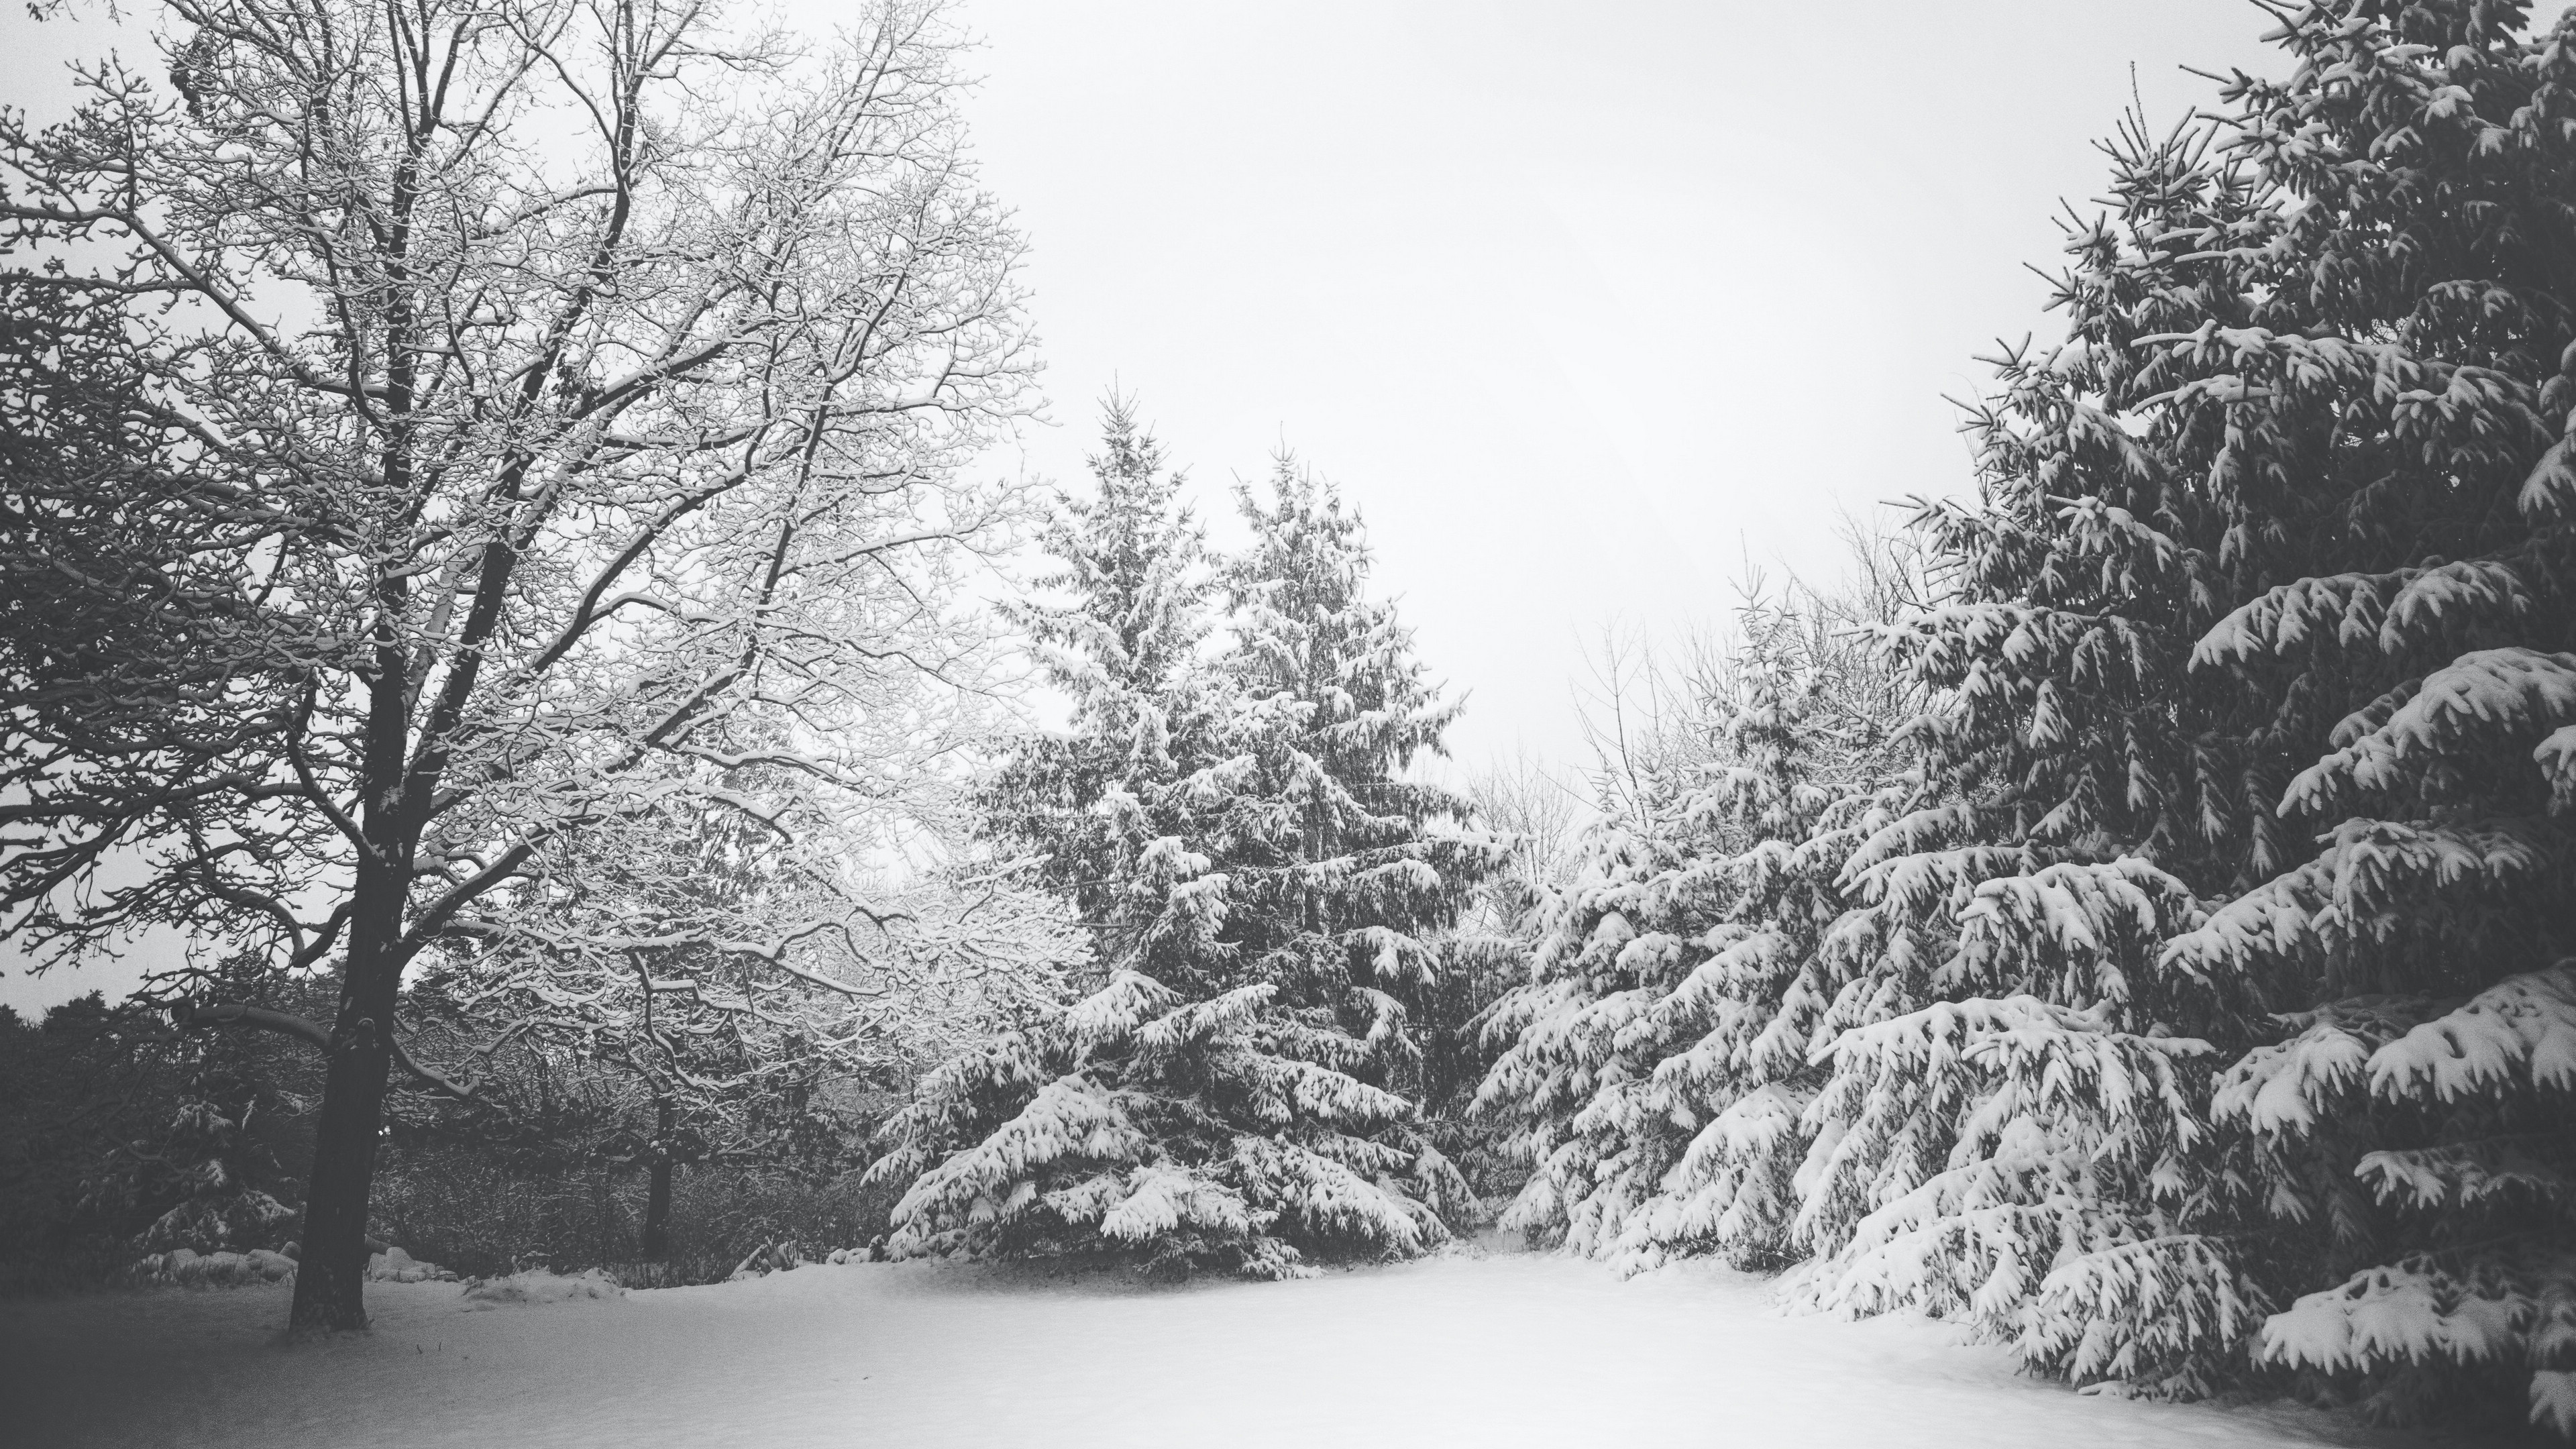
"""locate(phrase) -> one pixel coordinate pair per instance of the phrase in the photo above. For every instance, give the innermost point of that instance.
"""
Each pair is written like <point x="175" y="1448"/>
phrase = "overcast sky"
<point x="1584" y="305"/>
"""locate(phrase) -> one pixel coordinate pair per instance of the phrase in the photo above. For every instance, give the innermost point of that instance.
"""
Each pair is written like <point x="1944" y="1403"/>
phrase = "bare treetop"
<point x="447" y="427"/>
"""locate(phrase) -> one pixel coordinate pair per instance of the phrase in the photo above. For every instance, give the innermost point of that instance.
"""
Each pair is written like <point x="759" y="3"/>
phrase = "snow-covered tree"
<point x="737" y="969"/>
<point x="2243" y="810"/>
<point x="508" y="399"/>
<point x="2014" y="1129"/>
<point x="1119" y="629"/>
<point x="1658" y="1058"/>
<point x="1348" y="874"/>
<point x="205" y="1166"/>
<point x="1539" y="814"/>
<point x="1268" y="885"/>
<point x="2406" y="384"/>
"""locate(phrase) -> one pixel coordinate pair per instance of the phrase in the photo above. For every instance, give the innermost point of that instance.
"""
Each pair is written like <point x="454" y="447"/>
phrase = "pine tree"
<point x="2013" y="1125"/>
<point x="1659" y="1064"/>
<point x="2007" y="1134"/>
<point x="1351" y="876"/>
<point x="2241" y="752"/>
<point x="1123" y="641"/>
<point x="2414" y="377"/>
<point x="1261" y="881"/>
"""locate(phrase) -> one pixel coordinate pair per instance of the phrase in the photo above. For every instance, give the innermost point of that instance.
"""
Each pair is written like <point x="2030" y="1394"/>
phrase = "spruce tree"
<point x="1261" y="880"/>
<point x="2255" y="663"/>
<point x="2012" y="1130"/>
<point x="1352" y="874"/>
<point x="1119" y="629"/>
<point x="1659" y="1059"/>
<point x="2206" y="1007"/>
<point x="2414" y="380"/>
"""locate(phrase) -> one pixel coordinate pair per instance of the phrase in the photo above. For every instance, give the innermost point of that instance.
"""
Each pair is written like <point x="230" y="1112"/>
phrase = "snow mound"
<point x="214" y="1270"/>
<point x="393" y="1265"/>
<point x="538" y="1285"/>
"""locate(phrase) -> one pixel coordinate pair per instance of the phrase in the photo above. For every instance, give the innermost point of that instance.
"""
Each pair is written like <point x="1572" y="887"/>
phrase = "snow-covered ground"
<point x="1478" y="1352"/>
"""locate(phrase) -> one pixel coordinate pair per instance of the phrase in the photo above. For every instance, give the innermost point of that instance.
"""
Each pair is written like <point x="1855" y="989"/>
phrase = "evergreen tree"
<point x="1350" y="876"/>
<point x="1262" y="882"/>
<point x="2414" y="382"/>
<point x="1659" y="1057"/>
<point x="2012" y="1125"/>
<point x="2211" y="992"/>
<point x="2244" y="710"/>
<point x="1123" y="640"/>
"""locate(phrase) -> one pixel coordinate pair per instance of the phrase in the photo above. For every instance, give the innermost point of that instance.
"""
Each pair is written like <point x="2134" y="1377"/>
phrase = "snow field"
<point x="1457" y="1350"/>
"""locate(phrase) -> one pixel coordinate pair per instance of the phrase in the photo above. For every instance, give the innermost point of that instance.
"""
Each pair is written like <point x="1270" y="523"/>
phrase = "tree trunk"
<point x="330" y="1279"/>
<point x="657" y="1197"/>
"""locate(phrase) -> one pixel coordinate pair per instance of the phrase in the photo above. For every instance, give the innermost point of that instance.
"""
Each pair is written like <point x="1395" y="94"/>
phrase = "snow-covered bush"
<point x="207" y="1175"/>
<point x="539" y="1286"/>
<point x="394" y="1265"/>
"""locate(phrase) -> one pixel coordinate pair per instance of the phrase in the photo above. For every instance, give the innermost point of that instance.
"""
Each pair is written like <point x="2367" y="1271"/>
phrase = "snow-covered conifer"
<point x="2013" y="1130"/>
<point x="2411" y="378"/>
<point x="1347" y="873"/>
<point x="1266" y="886"/>
<point x="2007" y="1131"/>
<point x="2244" y="739"/>
<point x="1118" y="630"/>
<point x="1658" y="1063"/>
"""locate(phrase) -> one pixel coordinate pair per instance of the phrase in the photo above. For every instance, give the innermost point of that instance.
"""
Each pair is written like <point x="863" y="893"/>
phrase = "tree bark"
<point x="330" y="1279"/>
<point x="657" y="1197"/>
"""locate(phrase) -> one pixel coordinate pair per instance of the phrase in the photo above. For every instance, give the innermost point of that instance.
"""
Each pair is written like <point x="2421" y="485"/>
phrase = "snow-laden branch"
<point x="187" y="1014"/>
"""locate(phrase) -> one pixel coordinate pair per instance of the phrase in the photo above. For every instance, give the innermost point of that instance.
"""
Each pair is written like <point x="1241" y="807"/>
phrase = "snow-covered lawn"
<point x="1504" y="1350"/>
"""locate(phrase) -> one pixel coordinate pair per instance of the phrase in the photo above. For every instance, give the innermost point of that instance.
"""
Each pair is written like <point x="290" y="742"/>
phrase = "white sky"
<point x="1584" y="306"/>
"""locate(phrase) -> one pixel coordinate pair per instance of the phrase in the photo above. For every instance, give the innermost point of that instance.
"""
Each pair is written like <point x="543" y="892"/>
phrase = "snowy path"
<point x="1481" y="1353"/>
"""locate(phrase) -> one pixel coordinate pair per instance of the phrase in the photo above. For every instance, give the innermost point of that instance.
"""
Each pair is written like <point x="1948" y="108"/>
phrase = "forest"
<point x="494" y="553"/>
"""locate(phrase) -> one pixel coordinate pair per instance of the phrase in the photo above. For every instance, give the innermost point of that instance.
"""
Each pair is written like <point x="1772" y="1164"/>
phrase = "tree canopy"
<point x="440" y="431"/>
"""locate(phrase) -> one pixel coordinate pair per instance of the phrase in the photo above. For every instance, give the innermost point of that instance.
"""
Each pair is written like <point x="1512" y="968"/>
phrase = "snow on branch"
<point x="2518" y="1035"/>
<point x="2488" y="694"/>
<point x="2072" y="930"/>
<point x="2512" y="1310"/>
<point x="2145" y="1314"/>
<point x="2369" y="883"/>
<point x="187" y="1014"/>
<point x="2387" y="612"/>
<point x="2292" y="1085"/>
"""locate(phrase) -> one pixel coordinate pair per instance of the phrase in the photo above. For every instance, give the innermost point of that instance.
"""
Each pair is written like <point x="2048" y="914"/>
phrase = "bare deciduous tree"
<point x="1645" y="714"/>
<point x="1539" y="813"/>
<point x="727" y="968"/>
<point x="445" y="427"/>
